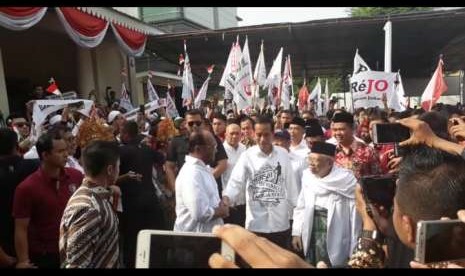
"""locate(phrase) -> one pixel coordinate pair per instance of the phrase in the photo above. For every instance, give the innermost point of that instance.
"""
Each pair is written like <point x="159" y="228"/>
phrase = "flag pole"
<point x="387" y="46"/>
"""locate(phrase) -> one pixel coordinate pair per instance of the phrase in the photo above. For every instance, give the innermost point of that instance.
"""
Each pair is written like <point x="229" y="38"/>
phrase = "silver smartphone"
<point x="439" y="241"/>
<point x="169" y="249"/>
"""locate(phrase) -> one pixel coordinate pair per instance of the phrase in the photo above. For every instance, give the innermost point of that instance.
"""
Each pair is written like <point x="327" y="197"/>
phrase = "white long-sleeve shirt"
<point x="301" y="149"/>
<point x="270" y="188"/>
<point x="196" y="197"/>
<point x="336" y="193"/>
<point x="233" y="156"/>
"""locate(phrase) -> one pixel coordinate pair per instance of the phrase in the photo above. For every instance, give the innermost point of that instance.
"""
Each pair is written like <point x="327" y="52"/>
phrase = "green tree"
<point x="375" y="11"/>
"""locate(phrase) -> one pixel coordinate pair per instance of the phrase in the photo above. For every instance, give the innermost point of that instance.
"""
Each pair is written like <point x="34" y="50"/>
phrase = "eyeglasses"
<point x="191" y="124"/>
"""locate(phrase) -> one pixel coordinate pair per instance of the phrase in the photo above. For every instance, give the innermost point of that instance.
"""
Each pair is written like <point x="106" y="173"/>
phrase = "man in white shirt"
<point x="264" y="172"/>
<point x="298" y="143"/>
<point x="198" y="205"/>
<point x="326" y="224"/>
<point x="282" y="138"/>
<point x="234" y="148"/>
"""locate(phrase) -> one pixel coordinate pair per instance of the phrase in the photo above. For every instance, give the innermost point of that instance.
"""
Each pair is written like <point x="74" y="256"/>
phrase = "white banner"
<point x="43" y="108"/>
<point x="368" y="87"/>
<point x="70" y="95"/>
<point x="149" y="107"/>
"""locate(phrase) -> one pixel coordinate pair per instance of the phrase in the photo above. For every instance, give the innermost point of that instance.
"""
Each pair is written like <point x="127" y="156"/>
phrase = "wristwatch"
<point x="373" y="234"/>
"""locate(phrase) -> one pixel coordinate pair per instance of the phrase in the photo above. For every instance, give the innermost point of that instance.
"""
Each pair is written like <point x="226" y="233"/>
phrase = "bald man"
<point x="198" y="205"/>
<point x="234" y="148"/>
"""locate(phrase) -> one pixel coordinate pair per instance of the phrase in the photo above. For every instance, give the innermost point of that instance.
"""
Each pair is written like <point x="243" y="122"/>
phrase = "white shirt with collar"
<point x="301" y="149"/>
<point x="233" y="156"/>
<point x="270" y="188"/>
<point x="196" y="197"/>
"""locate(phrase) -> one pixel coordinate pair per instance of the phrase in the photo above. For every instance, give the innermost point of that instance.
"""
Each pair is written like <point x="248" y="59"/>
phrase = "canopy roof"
<point x="327" y="47"/>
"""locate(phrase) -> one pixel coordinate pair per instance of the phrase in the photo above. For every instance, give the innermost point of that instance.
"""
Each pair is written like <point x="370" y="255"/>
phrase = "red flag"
<point x="210" y="69"/>
<point x="53" y="88"/>
<point x="436" y="86"/>
<point x="303" y="96"/>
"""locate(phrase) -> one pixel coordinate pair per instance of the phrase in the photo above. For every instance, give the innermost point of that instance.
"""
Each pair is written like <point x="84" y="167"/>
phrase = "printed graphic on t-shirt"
<point x="267" y="185"/>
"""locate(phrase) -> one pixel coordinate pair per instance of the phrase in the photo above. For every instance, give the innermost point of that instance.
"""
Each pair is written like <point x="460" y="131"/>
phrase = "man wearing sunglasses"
<point x="21" y="127"/>
<point x="178" y="149"/>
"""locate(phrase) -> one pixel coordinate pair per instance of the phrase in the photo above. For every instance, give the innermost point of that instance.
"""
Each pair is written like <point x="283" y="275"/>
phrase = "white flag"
<point x="227" y="69"/>
<point x="273" y="81"/>
<point x="170" y="105"/>
<point x="398" y="101"/>
<point x="187" y="81"/>
<point x="260" y="70"/>
<point x="359" y="64"/>
<point x="125" y="101"/>
<point x="202" y="95"/>
<point x="231" y="78"/>
<point x="244" y="81"/>
<point x="152" y="93"/>
<point x="316" y="92"/>
<point x="326" y="97"/>
<point x="286" y="84"/>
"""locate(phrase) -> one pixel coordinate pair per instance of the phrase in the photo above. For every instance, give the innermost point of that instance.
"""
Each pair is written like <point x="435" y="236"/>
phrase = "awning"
<point x="86" y="26"/>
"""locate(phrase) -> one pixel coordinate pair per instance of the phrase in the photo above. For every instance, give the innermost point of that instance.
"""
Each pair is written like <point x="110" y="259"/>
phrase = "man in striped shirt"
<point x="89" y="226"/>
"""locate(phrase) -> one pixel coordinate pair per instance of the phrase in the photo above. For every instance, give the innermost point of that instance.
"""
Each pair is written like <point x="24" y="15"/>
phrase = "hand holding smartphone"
<point x="390" y="133"/>
<point x="439" y="241"/>
<point x="169" y="249"/>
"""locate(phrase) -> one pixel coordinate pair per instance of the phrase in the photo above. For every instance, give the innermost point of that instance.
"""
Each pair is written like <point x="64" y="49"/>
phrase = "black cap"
<point x="343" y="117"/>
<point x="324" y="148"/>
<point x="313" y="128"/>
<point x="298" y="121"/>
<point x="283" y="134"/>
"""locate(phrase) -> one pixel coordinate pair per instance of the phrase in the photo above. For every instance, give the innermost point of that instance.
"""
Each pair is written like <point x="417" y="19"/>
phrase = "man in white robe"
<point x="198" y="205"/>
<point x="326" y="223"/>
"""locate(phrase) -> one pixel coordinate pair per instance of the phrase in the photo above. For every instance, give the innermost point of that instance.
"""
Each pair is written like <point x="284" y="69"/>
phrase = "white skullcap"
<point x="113" y="115"/>
<point x="55" y="119"/>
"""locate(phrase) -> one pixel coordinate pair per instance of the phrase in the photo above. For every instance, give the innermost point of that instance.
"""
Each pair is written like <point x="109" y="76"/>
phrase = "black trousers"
<point x="236" y="215"/>
<point x="279" y="238"/>
<point x="46" y="260"/>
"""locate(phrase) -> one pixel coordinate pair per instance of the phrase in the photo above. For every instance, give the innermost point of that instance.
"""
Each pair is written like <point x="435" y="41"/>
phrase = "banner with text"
<point x="368" y="87"/>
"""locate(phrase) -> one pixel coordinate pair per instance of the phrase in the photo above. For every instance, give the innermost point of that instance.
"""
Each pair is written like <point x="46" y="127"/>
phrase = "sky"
<point x="261" y="15"/>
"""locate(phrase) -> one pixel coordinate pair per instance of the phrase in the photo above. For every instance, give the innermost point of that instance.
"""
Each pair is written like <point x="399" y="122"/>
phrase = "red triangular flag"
<point x="53" y="88"/>
<point x="210" y="69"/>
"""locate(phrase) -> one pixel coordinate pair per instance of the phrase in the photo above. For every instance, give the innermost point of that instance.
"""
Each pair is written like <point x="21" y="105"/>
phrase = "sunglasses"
<point x="21" y="124"/>
<point x="191" y="124"/>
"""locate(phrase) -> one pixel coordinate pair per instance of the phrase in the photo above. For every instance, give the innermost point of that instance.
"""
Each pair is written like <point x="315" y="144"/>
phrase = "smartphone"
<point x="439" y="241"/>
<point x="379" y="190"/>
<point x="169" y="249"/>
<point x="390" y="133"/>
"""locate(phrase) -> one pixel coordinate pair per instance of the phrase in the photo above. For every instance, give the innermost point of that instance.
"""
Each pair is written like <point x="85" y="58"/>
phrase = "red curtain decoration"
<point x="20" y="18"/>
<point x="132" y="42"/>
<point x="86" y="30"/>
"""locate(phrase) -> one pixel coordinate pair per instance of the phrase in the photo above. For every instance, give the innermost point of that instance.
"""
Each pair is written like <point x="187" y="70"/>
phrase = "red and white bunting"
<point x="21" y="18"/>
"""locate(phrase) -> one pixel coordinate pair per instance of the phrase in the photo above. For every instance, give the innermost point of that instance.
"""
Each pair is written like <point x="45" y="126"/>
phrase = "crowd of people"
<point x="282" y="187"/>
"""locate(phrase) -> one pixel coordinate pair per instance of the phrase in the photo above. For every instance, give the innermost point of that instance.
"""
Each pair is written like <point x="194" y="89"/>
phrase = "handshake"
<point x="222" y="210"/>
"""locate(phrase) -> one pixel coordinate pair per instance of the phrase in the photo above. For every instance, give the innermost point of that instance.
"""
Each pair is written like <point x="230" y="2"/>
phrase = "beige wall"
<point x="108" y="60"/>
